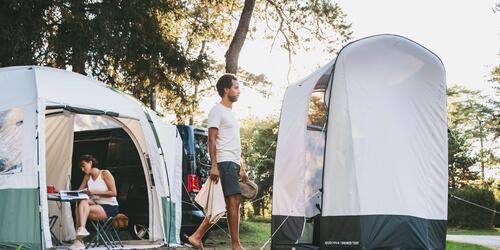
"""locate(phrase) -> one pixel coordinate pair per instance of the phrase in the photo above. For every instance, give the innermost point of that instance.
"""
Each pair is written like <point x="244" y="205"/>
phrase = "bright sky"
<point x="464" y="34"/>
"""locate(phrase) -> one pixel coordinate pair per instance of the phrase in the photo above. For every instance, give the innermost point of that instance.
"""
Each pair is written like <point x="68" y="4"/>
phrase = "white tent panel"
<point x="171" y="144"/>
<point x="387" y="121"/>
<point x="289" y="184"/>
<point x="64" y="87"/>
<point x="92" y="122"/>
<point x="18" y="87"/>
<point x="59" y="136"/>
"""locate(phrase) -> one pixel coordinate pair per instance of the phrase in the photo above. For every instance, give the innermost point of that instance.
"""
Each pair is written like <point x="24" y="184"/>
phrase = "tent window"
<point x="317" y="111"/>
<point x="11" y="139"/>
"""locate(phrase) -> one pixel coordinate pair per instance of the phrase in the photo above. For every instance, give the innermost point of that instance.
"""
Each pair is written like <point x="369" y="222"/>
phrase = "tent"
<point x="361" y="159"/>
<point x="40" y="109"/>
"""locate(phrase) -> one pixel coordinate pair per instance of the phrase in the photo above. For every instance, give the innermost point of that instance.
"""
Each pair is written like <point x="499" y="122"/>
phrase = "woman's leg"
<point x="96" y="212"/>
<point x="83" y="212"/>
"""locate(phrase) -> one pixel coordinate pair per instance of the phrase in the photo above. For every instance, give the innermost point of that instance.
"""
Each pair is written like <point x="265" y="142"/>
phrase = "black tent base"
<point x="295" y="246"/>
<point x="382" y="232"/>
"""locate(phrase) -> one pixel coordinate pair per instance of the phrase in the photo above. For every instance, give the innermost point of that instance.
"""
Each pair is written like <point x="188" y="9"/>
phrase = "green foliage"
<point x="258" y="141"/>
<point x="477" y="116"/>
<point x="23" y="24"/>
<point x="301" y="24"/>
<point x="317" y="114"/>
<point x="463" y="246"/>
<point x="495" y="75"/>
<point x="460" y="160"/>
<point x="497" y="216"/>
<point x="465" y="215"/>
<point x="454" y="231"/>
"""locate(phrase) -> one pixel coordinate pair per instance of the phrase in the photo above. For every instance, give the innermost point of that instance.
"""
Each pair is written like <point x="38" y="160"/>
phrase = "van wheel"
<point x="139" y="231"/>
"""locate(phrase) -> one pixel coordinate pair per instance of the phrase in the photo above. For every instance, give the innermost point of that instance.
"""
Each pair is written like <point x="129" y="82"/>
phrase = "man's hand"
<point x="243" y="175"/>
<point x="214" y="173"/>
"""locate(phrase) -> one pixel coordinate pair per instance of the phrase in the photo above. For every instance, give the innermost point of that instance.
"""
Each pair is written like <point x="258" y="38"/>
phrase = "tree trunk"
<point x="233" y="52"/>
<point x="152" y="97"/>
<point x="79" y="50"/>
<point x="481" y="151"/>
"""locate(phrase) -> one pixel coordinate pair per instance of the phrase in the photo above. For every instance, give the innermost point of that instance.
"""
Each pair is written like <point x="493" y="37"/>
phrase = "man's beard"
<point x="233" y="98"/>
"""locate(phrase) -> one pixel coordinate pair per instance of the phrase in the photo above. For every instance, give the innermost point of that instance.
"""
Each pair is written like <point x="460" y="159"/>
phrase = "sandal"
<point x="191" y="244"/>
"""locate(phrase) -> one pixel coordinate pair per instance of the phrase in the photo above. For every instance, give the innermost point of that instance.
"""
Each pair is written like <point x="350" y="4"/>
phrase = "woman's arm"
<point x="110" y="183"/>
<point x="84" y="182"/>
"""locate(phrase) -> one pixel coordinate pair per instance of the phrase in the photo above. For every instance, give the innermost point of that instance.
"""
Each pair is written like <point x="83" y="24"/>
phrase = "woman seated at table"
<point x="102" y="190"/>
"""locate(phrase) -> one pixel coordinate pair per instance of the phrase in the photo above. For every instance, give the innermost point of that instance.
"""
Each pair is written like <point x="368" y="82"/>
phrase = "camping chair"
<point x="102" y="235"/>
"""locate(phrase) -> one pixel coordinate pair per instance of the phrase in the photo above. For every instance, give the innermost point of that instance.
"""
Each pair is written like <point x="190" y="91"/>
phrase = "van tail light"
<point x="193" y="184"/>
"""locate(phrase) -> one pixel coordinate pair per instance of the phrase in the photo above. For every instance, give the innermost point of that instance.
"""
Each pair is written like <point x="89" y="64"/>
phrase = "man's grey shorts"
<point x="229" y="173"/>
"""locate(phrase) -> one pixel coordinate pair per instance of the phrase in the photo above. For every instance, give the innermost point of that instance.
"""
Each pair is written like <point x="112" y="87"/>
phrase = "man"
<point x="225" y="154"/>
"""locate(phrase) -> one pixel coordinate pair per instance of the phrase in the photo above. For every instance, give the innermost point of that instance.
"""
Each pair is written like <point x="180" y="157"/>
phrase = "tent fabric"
<point x="171" y="143"/>
<point x="31" y="89"/>
<point x="20" y="219"/>
<point x="292" y="196"/>
<point x="59" y="134"/>
<point x="11" y="131"/>
<point x="288" y="183"/>
<point x="384" y="179"/>
<point x="28" y="176"/>
<point x="387" y="138"/>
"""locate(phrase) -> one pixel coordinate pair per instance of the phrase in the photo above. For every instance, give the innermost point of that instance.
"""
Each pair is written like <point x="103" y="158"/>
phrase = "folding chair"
<point x="101" y="234"/>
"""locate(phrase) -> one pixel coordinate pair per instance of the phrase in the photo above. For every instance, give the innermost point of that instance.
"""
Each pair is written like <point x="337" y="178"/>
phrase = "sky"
<point x="464" y="34"/>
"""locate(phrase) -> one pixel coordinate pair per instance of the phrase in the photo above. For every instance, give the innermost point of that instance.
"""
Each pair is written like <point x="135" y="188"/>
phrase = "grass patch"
<point x="463" y="246"/>
<point x="455" y="231"/>
<point x="252" y="236"/>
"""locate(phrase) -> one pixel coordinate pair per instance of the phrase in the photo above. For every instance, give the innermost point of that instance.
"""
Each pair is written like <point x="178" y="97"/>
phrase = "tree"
<point x="258" y="141"/>
<point x="23" y="25"/>
<point x="297" y="22"/>
<point x="477" y="115"/>
<point x="131" y="45"/>
<point x="460" y="160"/>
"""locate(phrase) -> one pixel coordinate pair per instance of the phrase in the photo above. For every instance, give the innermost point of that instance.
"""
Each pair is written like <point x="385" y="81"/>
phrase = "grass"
<point x="455" y="231"/>
<point x="462" y="246"/>
<point x="253" y="235"/>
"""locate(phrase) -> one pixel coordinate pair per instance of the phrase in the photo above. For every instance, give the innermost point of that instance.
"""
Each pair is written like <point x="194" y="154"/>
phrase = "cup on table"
<point x="51" y="189"/>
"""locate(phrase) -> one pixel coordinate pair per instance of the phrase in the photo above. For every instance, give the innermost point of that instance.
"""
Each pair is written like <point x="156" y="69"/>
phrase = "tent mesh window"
<point x="11" y="138"/>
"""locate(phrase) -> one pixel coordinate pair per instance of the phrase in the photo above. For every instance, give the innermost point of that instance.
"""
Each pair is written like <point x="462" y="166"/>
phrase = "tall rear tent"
<point x="361" y="159"/>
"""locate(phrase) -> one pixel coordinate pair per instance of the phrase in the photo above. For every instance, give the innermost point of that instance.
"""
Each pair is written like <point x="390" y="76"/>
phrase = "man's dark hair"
<point x="225" y="82"/>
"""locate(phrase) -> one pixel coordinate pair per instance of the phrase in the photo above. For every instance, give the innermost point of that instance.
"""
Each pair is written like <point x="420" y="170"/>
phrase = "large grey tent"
<point x="361" y="157"/>
<point x="40" y="109"/>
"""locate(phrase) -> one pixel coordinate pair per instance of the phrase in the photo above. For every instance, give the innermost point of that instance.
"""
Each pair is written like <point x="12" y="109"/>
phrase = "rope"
<point x="475" y="204"/>
<point x="286" y="218"/>
<point x="262" y="197"/>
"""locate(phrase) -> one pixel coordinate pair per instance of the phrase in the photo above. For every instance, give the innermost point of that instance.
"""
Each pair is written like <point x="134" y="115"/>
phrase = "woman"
<point x="102" y="190"/>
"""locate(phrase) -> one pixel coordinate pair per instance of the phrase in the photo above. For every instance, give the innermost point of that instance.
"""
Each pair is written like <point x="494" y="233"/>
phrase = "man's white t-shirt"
<point x="228" y="144"/>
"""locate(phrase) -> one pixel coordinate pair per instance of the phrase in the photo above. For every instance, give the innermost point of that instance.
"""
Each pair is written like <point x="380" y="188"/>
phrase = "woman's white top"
<point x="99" y="185"/>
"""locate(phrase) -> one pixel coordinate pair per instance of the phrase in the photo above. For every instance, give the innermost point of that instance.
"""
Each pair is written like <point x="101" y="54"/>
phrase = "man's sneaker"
<point x="82" y="232"/>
